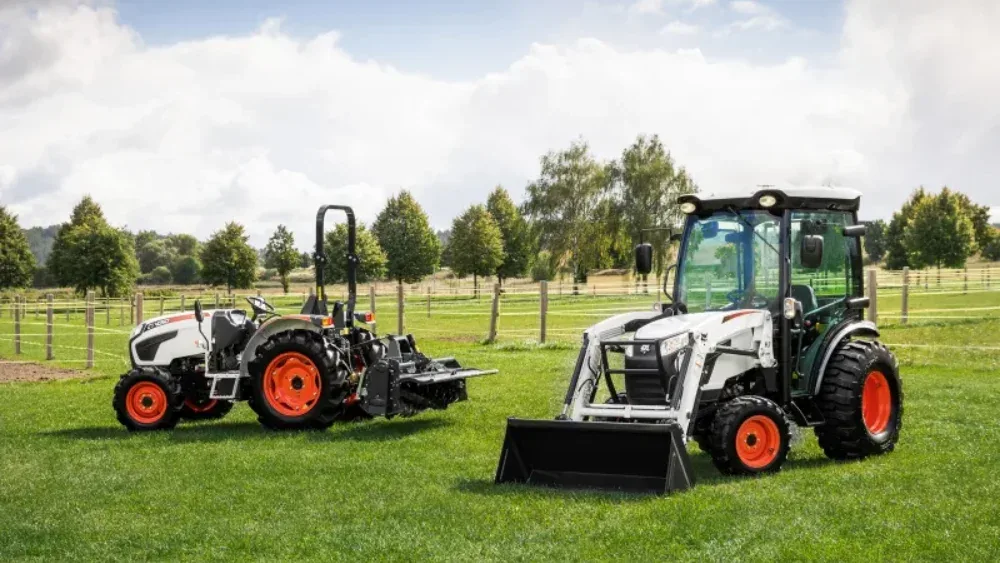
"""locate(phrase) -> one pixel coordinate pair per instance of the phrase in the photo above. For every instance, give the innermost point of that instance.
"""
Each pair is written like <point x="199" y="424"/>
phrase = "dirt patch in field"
<point x="17" y="371"/>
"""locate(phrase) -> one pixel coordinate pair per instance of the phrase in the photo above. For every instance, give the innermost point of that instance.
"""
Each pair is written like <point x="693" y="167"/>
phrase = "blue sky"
<point x="453" y="39"/>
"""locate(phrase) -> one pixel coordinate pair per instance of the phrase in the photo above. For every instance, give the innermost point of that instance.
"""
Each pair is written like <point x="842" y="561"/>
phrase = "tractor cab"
<point x="795" y="253"/>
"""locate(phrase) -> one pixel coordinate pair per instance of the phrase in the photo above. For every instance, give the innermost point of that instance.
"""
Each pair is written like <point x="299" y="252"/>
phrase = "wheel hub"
<point x="291" y="384"/>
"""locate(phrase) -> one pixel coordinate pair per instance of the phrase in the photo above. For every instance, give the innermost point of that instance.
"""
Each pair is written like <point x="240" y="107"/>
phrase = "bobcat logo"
<point x="644" y="349"/>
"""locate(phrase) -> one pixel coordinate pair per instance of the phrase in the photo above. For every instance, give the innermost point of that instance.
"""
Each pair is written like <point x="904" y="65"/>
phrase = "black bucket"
<point x="615" y="456"/>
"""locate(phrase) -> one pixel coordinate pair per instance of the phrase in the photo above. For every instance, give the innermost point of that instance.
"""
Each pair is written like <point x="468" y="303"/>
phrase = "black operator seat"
<point x="806" y="295"/>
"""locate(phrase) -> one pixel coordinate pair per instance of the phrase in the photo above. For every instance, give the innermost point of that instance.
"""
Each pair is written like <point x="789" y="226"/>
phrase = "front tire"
<point x="749" y="435"/>
<point x="295" y="385"/>
<point x="147" y="399"/>
<point x="862" y="401"/>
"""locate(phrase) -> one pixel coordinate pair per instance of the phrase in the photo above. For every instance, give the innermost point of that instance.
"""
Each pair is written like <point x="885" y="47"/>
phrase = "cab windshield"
<point x="730" y="260"/>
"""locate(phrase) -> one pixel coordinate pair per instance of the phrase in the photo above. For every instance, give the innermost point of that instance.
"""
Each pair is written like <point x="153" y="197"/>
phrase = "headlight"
<point x="674" y="344"/>
<point x="688" y="208"/>
<point x="767" y="201"/>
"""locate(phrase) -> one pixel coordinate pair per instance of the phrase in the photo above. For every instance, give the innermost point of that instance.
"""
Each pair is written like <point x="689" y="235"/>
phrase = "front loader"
<point x="764" y="331"/>
<point x="300" y="371"/>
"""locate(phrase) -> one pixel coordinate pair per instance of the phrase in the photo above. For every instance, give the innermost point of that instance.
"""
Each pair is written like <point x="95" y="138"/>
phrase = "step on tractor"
<point x="763" y="331"/>
<point x="301" y="371"/>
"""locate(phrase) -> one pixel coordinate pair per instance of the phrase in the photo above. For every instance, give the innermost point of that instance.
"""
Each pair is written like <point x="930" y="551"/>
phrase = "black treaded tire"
<point x="765" y="432"/>
<point x="214" y="409"/>
<point x="332" y="391"/>
<point x="145" y="378"/>
<point x="844" y="434"/>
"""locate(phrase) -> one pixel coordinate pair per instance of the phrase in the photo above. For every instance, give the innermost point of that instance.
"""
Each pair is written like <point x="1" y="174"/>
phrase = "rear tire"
<point x="862" y="401"/>
<point x="294" y="382"/>
<point x="749" y="436"/>
<point x="147" y="399"/>
<point x="212" y="409"/>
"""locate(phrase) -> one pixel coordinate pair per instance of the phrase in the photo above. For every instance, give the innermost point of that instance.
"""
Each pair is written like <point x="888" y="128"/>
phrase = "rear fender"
<point x="272" y="327"/>
<point x="845" y="332"/>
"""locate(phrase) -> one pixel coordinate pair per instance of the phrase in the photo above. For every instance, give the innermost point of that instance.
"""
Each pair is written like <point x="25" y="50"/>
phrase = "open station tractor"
<point x="301" y="371"/>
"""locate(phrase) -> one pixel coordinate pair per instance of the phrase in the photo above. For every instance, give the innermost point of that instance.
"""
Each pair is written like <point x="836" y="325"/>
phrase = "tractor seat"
<point x="807" y="296"/>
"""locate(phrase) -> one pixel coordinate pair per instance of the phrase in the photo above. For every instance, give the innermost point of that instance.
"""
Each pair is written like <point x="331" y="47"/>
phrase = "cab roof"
<point x="813" y="198"/>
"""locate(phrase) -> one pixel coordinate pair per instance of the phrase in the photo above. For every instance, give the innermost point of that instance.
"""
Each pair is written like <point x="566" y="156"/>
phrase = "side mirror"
<point x="198" y="314"/>
<point x="811" y="252"/>
<point x="856" y="231"/>
<point x="644" y="258"/>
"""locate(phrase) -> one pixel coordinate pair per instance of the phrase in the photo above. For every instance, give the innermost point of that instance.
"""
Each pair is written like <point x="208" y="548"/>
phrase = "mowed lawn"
<point x="74" y="485"/>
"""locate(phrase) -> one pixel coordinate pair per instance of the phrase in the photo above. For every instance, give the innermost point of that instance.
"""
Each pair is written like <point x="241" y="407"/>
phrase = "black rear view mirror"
<point x="644" y="258"/>
<point x="811" y="251"/>
<point x="199" y="315"/>
<point x="855" y="230"/>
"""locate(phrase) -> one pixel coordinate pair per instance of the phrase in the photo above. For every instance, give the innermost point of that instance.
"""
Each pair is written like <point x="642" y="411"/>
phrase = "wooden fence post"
<point x="494" y="314"/>
<point x="544" y="309"/>
<point x="873" y="295"/>
<point x="965" y="287"/>
<point x="49" y="321"/>
<point x="121" y="312"/>
<point x="428" y="302"/>
<point x="138" y="309"/>
<point x="90" y="329"/>
<point x="107" y="311"/>
<point x="399" y="303"/>
<point x="371" y="297"/>
<point x="216" y="300"/>
<point x="131" y="311"/>
<point x="17" y="328"/>
<point x="906" y="295"/>
<point x="161" y="304"/>
<point x="183" y="304"/>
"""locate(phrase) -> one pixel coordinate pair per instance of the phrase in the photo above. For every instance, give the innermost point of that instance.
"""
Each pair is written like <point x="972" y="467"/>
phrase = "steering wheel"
<point x="749" y="298"/>
<point x="259" y="306"/>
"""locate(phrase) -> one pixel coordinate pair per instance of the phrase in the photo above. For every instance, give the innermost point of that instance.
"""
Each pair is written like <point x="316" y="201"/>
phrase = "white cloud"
<point x="749" y="7"/>
<point x="263" y="128"/>
<point x="696" y="4"/>
<point x="679" y="28"/>
<point x="654" y="7"/>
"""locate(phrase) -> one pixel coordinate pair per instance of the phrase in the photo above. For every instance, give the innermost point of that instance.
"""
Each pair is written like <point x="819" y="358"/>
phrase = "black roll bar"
<point x="319" y="258"/>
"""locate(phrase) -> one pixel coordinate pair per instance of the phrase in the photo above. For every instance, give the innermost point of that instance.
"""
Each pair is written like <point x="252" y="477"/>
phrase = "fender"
<point x="854" y="328"/>
<point x="274" y="326"/>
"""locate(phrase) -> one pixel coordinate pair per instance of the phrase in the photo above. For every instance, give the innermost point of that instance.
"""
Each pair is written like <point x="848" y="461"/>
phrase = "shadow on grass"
<point x="705" y="475"/>
<point x="368" y="431"/>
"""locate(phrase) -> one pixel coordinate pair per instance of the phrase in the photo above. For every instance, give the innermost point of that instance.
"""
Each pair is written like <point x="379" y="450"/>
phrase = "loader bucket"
<point x="615" y="456"/>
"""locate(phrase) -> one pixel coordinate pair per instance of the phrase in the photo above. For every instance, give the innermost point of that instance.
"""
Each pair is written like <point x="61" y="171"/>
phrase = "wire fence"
<point x="94" y="332"/>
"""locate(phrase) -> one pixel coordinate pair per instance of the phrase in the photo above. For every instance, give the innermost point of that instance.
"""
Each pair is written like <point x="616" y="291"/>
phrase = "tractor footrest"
<point x="628" y="457"/>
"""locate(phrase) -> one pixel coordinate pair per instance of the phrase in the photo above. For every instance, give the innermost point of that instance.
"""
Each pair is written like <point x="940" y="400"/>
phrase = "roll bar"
<point x="319" y="258"/>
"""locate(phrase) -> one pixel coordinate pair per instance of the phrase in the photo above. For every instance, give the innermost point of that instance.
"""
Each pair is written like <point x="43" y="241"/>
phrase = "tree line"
<point x="578" y="215"/>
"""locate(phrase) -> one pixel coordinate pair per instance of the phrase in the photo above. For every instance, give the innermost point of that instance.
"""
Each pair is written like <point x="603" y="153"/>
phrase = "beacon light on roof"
<point x="688" y="207"/>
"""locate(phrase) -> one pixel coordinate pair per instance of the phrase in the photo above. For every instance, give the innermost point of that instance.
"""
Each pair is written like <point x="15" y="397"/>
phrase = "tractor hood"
<point x="688" y="323"/>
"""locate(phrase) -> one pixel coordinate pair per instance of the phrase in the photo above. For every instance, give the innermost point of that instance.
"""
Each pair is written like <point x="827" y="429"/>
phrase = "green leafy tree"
<point x="563" y="205"/>
<point x="280" y="254"/>
<point x="228" y="259"/>
<point x="91" y="254"/>
<point x="896" y="255"/>
<point x="17" y="263"/>
<point x="514" y="229"/>
<point x="875" y="240"/>
<point x="155" y="254"/>
<point x="371" y="258"/>
<point x="411" y="247"/>
<point x="183" y="245"/>
<point x="647" y="184"/>
<point x="940" y="233"/>
<point x="305" y="260"/>
<point x="476" y="244"/>
<point x="186" y="270"/>
<point x="991" y="251"/>
<point x="142" y="238"/>
<point x="541" y="266"/>
<point x="160" y="276"/>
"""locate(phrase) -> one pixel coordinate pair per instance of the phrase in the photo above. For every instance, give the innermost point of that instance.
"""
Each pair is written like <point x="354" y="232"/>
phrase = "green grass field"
<point x="75" y="486"/>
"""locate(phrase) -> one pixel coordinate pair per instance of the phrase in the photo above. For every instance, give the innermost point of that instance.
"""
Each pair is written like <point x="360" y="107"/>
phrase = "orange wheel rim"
<point x="876" y="402"/>
<point x="758" y="441"/>
<point x="146" y="402"/>
<point x="291" y="384"/>
<point x="200" y="407"/>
